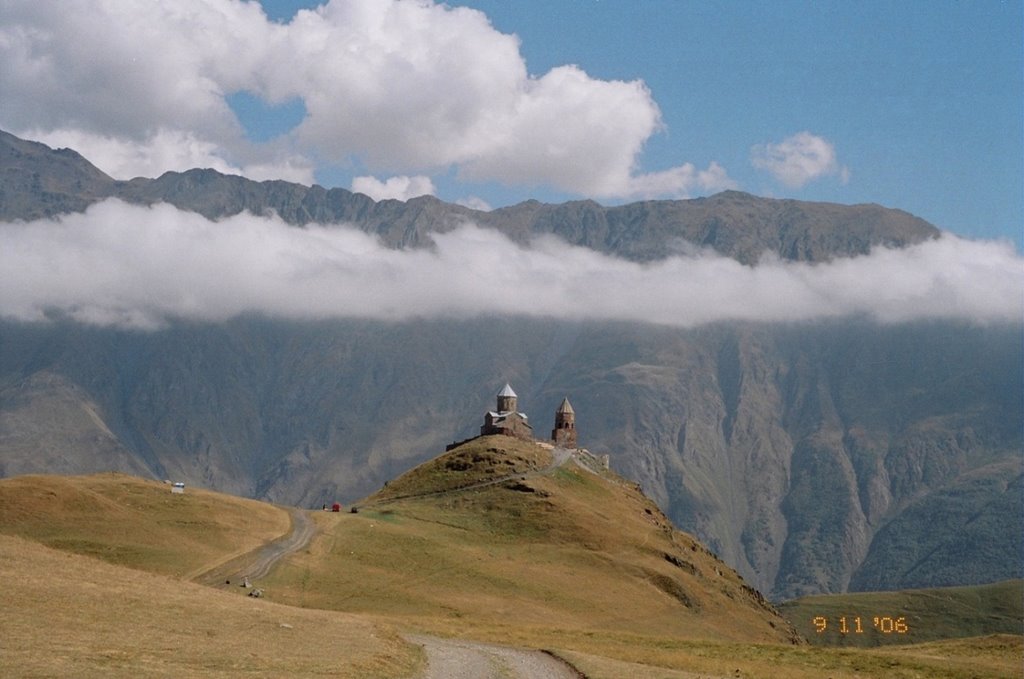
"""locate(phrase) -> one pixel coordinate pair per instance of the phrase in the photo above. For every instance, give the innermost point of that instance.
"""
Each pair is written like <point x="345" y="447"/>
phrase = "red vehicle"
<point x="336" y="507"/>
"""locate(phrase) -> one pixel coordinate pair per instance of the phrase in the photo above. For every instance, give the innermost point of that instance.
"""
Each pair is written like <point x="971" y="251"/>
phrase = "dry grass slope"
<point x="508" y="548"/>
<point x="67" y="615"/>
<point x="492" y="542"/>
<point x="133" y="522"/>
<point x="492" y="537"/>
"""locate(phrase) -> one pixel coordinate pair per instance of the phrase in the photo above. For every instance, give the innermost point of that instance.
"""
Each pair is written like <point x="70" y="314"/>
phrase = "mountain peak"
<point x="37" y="181"/>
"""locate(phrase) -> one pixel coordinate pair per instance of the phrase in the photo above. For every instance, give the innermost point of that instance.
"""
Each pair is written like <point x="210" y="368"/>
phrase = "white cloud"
<point x="682" y="180"/>
<point x="475" y="203"/>
<point x="799" y="159"/>
<point x="169" y="150"/>
<point x="576" y="134"/>
<point x="396" y="87"/>
<point x="128" y="68"/>
<point x="396" y="188"/>
<point x="136" y="266"/>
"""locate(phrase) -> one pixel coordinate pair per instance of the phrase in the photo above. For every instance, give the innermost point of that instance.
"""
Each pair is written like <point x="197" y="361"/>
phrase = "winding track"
<point x="446" y="658"/>
<point x="258" y="562"/>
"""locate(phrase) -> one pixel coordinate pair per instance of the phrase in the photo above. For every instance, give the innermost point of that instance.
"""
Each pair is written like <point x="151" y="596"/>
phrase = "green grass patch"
<point x="870" y="619"/>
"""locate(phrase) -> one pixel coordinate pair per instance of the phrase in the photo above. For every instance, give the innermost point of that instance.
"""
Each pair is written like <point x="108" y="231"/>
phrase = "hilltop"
<point x="501" y="533"/>
<point x="498" y="533"/>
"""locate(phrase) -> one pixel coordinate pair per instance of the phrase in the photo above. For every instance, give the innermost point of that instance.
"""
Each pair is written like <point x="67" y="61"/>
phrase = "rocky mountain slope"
<point x="813" y="457"/>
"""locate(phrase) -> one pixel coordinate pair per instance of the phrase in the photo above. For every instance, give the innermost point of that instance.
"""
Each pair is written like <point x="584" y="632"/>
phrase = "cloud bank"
<point x="130" y="266"/>
<point x="397" y="88"/>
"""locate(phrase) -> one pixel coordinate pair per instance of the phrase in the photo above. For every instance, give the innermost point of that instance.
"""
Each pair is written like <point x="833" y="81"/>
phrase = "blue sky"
<point x="922" y="100"/>
<point x="914" y="105"/>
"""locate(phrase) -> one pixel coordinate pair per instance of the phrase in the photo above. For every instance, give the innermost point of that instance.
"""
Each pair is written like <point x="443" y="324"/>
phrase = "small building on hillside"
<point x="506" y="419"/>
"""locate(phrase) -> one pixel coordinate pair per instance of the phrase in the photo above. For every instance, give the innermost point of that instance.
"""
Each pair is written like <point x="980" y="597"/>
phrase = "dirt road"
<point x="458" y="659"/>
<point x="446" y="658"/>
<point x="258" y="562"/>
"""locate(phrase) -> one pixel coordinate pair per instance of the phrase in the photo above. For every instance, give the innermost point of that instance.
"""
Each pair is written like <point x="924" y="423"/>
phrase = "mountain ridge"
<point x="734" y="224"/>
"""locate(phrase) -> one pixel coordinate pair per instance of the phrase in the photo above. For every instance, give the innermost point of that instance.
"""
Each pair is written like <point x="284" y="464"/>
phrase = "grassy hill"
<point x="68" y="615"/>
<point x="95" y="572"/>
<point x="137" y="523"/>
<point x="496" y="541"/>
<point x="496" y="537"/>
<point x="924" y="614"/>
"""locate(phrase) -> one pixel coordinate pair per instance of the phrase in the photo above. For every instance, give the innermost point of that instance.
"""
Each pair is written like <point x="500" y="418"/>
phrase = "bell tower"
<point x="564" y="433"/>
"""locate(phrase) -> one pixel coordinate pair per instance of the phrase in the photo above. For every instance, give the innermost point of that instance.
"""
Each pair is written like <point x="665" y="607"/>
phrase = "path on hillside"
<point x="458" y="659"/>
<point x="258" y="562"/>
<point x="462" y="659"/>
<point x="446" y="658"/>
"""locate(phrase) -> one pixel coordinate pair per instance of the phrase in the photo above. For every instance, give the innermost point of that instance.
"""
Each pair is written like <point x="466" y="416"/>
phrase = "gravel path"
<point x="458" y="659"/>
<point x="258" y="562"/>
<point x="303" y="530"/>
<point x="446" y="658"/>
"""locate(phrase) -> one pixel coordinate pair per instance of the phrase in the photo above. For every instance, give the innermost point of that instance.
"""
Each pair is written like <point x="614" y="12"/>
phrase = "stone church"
<point x="507" y="420"/>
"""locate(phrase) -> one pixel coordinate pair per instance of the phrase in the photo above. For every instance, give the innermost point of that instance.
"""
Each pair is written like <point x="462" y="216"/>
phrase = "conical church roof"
<point x="507" y="391"/>
<point x="566" y="407"/>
